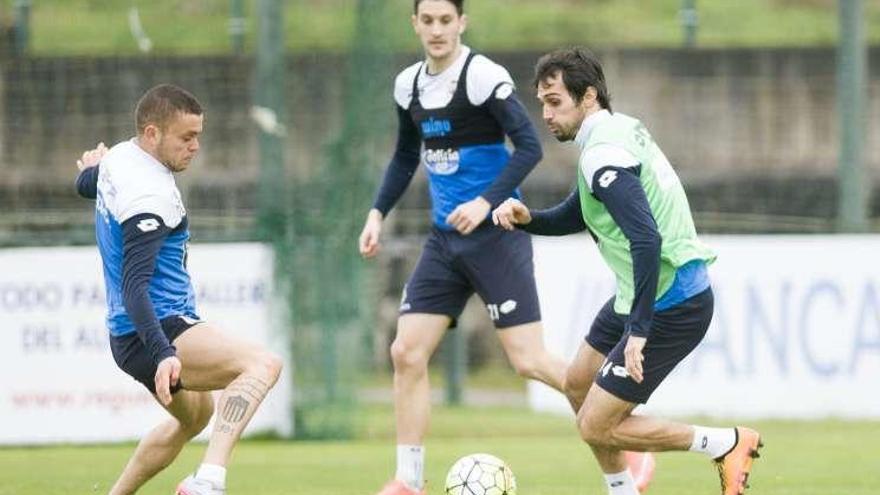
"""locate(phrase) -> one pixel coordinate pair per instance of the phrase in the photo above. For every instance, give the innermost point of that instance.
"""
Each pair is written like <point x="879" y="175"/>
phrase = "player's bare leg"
<point x="580" y="374"/>
<point x="524" y="346"/>
<point x="213" y="360"/>
<point x="418" y="335"/>
<point x="578" y="381"/>
<point x="606" y="423"/>
<point x="191" y="412"/>
<point x="245" y="372"/>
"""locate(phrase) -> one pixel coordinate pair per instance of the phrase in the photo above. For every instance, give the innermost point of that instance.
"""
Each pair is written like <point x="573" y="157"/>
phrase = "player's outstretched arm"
<point x="562" y="219"/>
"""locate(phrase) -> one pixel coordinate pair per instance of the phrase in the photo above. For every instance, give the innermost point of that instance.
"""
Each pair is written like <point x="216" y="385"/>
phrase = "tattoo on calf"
<point x="235" y="408"/>
<point x="240" y="394"/>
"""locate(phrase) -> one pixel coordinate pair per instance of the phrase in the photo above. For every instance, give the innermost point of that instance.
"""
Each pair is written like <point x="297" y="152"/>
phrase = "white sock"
<point x="621" y="483"/>
<point x="411" y="466"/>
<point x="714" y="442"/>
<point x="213" y="473"/>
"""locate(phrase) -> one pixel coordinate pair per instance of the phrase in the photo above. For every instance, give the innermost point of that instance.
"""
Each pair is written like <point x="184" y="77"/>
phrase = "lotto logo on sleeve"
<point x="148" y="225"/>
<point x="607" y="178"/>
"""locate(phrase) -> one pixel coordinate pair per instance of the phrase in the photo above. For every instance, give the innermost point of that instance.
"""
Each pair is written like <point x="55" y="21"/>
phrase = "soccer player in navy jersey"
<point x="460" y="106"/>
<point x="156" y="335"/>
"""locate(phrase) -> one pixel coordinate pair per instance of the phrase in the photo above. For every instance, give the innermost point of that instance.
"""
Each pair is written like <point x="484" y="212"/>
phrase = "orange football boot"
<point x="734" y="466"/>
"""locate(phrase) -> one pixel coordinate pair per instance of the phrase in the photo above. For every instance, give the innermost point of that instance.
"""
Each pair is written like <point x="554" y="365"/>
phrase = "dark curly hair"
<point x="579" y="68"/>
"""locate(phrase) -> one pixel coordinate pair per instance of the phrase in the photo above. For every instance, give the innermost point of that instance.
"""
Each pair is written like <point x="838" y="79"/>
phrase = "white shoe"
<point x="194" y="486"/>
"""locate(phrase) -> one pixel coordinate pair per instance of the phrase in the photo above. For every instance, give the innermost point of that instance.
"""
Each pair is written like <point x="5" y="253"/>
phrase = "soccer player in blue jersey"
<point x="460" y="106"/>
<point x="156" y="335"/>
<point x="631" y="200"/>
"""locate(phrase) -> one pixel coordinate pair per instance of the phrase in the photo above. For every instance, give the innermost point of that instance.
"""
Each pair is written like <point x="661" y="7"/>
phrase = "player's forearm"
<point x="527" y="148"/>
<point x="142" y="314"/>
<point x="397" y="177"/>
<point x="562" y="219"/>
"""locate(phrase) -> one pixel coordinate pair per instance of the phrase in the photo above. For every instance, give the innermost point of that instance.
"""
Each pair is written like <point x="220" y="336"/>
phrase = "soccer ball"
<point x="480" y="474"/>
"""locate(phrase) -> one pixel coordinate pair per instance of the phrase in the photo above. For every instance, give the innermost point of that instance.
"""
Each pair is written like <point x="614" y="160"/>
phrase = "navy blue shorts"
<point x="675" y="332"/>
<point x="132" y="357"/>
<point x="494" y="263"/>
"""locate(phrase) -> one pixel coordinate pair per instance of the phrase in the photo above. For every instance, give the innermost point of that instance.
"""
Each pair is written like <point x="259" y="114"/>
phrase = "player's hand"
<point x="91" y="158"/>
<point x="167" y="376"/>
<point x="511" y="212"/>
<point x="633" y="357"/>
<point x="468" y="216"/>
<point x="368" y="243"/>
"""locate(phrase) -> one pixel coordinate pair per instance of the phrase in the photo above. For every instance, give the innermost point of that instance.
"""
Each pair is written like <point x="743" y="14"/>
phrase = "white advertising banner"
<point x="59" y="381"/>
<point x="795" y="334"/>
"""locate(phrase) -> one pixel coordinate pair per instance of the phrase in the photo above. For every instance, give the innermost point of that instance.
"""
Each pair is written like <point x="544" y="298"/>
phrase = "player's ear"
<point x="462" y="26"/>
<point x="151" y="132"/>
<point x="590" y="97"/>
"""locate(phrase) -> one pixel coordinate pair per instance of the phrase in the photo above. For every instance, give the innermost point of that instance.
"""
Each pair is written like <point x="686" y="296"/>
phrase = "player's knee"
<point x="270" y="365"/>
<point x="591" y="430"/>
<point x="526" y="366"/>
<point x="407" y="358"/>
<point x="576" y="387"/>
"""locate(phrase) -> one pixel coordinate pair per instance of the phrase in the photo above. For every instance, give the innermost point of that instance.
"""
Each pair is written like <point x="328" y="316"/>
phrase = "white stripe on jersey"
<point x="436" y="90"/>
<point x="131" y="182"/>
<point x="604" y="155"/>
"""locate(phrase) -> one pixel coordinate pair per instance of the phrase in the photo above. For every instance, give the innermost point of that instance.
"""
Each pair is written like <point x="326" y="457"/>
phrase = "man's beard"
<point x="174" y="167"/>
<point x="564" y="138"/>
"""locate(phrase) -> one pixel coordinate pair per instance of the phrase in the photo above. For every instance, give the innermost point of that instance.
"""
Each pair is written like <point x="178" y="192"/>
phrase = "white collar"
<point x="459" y="62"/>
<point x="588" y="125"/>
<point x="149" y="158"/>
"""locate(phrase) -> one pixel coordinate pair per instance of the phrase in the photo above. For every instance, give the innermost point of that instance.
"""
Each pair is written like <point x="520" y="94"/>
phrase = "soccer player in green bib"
<point x="631" y="201"/>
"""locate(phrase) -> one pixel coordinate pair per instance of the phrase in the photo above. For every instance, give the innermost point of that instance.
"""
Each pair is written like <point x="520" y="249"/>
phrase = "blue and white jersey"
<point x="464" y="149"/>
<point x="140" y="220"/>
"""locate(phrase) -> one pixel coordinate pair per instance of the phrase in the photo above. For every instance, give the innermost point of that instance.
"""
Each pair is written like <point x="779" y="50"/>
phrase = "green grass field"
<point x="62" y="27"/>
<point x="799" y="458"/>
